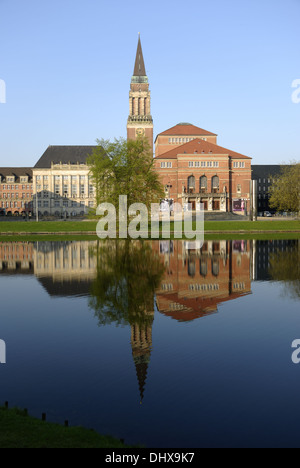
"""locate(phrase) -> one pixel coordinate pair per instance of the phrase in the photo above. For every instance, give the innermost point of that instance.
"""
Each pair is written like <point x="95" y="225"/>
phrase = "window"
<point x="210" y="164"/>
<point x="242" y="164"/>
<point x="215" y="184"/>
<point x="197" y="164"/>
<point x="191" y="164"/>
<point x="216" y="164"/>
<point x="203" y="163"/>
<point x="203" y="184"/>
<point x="163" y="165"/>
<point x="191" y="184"/>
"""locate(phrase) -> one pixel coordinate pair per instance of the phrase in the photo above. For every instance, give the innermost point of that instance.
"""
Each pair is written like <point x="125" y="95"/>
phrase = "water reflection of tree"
<point x="285" y="267"/>
<point x="128" y="272"/>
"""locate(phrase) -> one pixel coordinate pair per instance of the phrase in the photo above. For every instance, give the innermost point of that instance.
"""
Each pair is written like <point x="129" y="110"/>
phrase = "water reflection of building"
<point x="198" y="279"/>
<point x="262" y="250"/>
<point x="63" y="268"/>
<point x="16" y="257"/>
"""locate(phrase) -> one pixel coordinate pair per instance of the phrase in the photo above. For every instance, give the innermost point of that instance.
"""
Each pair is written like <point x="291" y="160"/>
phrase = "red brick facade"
<point x="16" y="192"/>
<point x="202" y="172"/>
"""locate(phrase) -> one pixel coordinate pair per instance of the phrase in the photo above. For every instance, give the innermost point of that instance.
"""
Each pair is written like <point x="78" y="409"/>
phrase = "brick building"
<point x="179" y="135"/>
<point x="192" y="167"/>
<point x="16" y="191"/>
<point x="196" y="170"/>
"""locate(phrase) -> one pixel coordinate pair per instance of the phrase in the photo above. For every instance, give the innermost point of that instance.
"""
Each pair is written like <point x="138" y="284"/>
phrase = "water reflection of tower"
<point x="141" y="343"/>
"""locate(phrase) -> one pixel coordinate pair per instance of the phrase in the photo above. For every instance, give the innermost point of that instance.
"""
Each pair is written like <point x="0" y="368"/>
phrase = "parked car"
<point x="267" y="214"/>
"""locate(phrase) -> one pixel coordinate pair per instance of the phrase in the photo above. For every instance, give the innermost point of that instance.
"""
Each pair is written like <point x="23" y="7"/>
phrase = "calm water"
<point x="155" y="343"/>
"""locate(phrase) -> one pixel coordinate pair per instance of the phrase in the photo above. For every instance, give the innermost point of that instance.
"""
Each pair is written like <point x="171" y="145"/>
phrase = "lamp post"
<point x="36" y="207"/>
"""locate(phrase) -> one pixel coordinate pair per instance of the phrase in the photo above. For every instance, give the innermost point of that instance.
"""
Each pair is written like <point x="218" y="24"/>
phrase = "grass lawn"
<point x="69" y="227"/>
<point x="17" y="430"/>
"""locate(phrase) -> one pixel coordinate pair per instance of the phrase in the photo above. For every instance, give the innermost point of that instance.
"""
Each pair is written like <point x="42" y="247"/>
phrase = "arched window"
<point x="191" y="184"/>
<point x="203" y="184"/>
<point x="191" y="268"/>
<point x="215" y="184"/>
<point x="215" y="267"/>
<point x="203" y="268"/>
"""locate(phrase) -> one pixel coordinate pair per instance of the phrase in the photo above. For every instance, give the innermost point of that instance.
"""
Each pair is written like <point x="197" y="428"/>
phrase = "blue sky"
<point x="225" y="66"/>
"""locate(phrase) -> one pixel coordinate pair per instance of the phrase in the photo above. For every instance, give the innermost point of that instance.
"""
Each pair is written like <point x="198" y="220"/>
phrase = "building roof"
<point x="199" y="146"/>
<point x="186" y="129"/>
<point x="139" y="66"/>
<point x="264" y="171"/>
<point x="64" y="155"/>
<point x="15" y="171"/>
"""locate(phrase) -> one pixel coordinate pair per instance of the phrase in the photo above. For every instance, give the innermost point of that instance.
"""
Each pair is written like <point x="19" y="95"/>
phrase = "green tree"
<point x="125" y="167"/>
<point x="285" y="189"/>
<point x="285" y="267"/>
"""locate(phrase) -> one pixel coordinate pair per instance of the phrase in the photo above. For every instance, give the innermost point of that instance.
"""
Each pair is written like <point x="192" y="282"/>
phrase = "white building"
<point x="62" y="185"/>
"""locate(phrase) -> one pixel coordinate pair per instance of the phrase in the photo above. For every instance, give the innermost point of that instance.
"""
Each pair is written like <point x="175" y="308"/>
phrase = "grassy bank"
<point x="18" y="430"/>
<point x="87" y="228"/>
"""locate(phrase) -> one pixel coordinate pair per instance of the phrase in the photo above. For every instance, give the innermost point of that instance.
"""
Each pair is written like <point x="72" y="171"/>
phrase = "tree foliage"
<point x="128" y="273"/>
<point x="285" y="267"/>
<point x="125" y="167"/>
<point x="285" y="189"/>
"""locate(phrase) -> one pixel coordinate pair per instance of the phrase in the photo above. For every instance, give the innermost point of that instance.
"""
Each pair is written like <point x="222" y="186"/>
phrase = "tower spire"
<point x="139" y="66"/>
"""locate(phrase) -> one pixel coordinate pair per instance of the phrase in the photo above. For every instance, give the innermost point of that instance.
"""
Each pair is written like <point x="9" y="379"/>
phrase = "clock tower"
<point x="140" y="122"/>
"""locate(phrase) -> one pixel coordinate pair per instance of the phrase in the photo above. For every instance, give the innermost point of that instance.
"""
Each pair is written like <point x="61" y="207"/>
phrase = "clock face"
<point x="140" y="132"/>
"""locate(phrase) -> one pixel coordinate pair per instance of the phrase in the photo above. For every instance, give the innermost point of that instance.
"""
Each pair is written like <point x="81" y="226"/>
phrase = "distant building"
<point x="16" y="191"/>
<point x="61" y="182"/>
<point x="263" y="175"/>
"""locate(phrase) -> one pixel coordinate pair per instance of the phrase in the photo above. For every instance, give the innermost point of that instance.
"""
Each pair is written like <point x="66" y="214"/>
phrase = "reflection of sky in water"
<point x="222" y="378"/>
